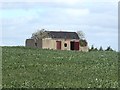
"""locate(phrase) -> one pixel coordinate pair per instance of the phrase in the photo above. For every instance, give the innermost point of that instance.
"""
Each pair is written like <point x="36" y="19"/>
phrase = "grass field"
<point x="37" y="68"/>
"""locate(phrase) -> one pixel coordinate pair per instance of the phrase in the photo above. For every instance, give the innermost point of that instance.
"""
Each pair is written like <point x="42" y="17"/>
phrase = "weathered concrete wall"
<point x="84" y="49"/>
<point x="67" y="41"/>
<point x="33" y="43"/>
<point x="63" y="44"/>
<point x="30" y="43"/>
<point x="39" y="43"/>
<point x="49" y="43"/>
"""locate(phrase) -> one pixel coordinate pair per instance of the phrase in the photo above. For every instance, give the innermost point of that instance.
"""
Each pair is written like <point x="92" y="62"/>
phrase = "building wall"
<point x="39" y="43"/>
<point x="33" y="43"/>
<point x="30" y="43"/>
<point x="84" y="49"/>
<point x="49" y="43"/>
<point x="63" y="41"/>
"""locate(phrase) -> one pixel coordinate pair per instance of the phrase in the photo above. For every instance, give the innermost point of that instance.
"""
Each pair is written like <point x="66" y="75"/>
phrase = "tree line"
<point x="100" y="49"/>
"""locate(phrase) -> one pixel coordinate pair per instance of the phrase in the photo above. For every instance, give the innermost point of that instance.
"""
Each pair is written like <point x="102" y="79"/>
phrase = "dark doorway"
<point x="74" y="45"/>
<point x="58" y="45"/>
<point x="71" y="45"/>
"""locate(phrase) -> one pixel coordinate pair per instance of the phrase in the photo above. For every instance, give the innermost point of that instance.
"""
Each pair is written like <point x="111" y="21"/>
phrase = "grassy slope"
<point x="25" y="67"/>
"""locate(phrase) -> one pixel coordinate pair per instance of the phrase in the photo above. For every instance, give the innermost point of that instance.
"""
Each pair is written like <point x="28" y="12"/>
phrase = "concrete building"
<point x="57" y="40"/>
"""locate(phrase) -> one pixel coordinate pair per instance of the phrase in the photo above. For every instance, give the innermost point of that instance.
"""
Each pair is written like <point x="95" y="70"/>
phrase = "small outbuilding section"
<point x="34" y="43"/>
<point x="56" y="40"/>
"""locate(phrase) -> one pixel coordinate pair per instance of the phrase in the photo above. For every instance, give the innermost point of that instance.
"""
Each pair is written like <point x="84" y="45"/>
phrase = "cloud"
<point x="17" y="13"/>
<point x="76" y="12"/>
<point x="56" y="3"/>
<point x="97" y="19"/>
<point x="61" y="1"/>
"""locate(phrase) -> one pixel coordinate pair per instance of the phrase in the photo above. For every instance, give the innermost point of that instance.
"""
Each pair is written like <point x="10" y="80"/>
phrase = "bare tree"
<point x="40" y="34"/>
<point x="81" y="35"/>
<point x="83" y="41"/>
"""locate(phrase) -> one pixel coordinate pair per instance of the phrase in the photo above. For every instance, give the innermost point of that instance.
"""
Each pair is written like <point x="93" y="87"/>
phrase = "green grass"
<point x="37" y="68"/>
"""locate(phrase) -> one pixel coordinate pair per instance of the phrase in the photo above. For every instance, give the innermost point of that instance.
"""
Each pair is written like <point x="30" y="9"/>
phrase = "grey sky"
<point x="97" y="19"/>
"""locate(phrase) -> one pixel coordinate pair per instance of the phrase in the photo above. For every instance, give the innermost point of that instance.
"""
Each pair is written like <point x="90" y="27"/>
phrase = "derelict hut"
<point x="33" y="43"/>
<point x="59" y="40"/>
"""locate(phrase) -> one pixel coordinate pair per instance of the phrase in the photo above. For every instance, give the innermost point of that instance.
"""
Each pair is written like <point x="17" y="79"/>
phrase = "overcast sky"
<point x="98" y="19"/>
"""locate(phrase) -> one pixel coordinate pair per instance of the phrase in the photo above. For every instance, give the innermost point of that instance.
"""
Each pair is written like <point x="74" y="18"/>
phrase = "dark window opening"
<point x="36" y="44"/>
<point x="65" y="45"/>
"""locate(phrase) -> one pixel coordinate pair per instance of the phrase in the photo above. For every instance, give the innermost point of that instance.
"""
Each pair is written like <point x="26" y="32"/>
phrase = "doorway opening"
<point x="74" y="45"/>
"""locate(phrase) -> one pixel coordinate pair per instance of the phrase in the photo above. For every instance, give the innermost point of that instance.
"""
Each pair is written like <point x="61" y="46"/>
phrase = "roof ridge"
<point x="62" y="31"/>
<point x="63" y="34"/>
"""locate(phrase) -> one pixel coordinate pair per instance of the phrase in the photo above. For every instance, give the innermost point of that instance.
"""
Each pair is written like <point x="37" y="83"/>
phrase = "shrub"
<point x="109" y="49"/>
<point x="92" y="48"/>
<point x="101" y="49"/>
<point x="83" y="43"/>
